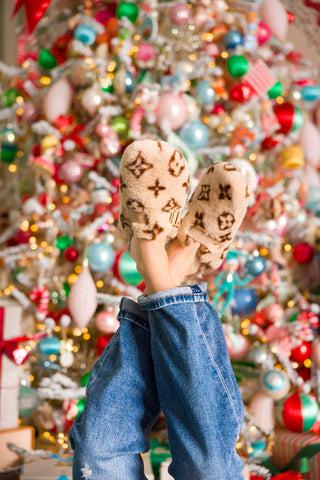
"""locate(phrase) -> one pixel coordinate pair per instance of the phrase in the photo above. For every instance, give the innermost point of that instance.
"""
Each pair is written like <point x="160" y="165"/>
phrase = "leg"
<point x="121" y="405"/>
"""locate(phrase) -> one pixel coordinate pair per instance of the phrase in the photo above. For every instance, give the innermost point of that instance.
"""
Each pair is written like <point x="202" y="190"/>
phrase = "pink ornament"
<point x="275" y="16"/>
<point x="172" y="109"/>
<point x="110" y="145"/>
<point x="277" y="226"/>
<point x="180" y="13"/>
<point x="82" y="300"/>
<point x="71" y="171"/>
<point x="146" y="52"/>
<point x="200" y="17"/>
<point x="262" y="410"/>
<point x="107" y="322"/>
<point x="30" y="112"/>
<point x="103" y="130"/>
<point x="316" y="352"/>
<point x="309" y="140"/>
<point x="212" y="49"/>
<point x="58" y="100"/>
<point x="263" y="33"/>
<point x="274" y="312"/>
<point x="239" y="346"/>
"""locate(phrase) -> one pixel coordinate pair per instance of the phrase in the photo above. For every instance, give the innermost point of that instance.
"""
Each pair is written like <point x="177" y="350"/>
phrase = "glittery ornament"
<point x="180" y="13"/>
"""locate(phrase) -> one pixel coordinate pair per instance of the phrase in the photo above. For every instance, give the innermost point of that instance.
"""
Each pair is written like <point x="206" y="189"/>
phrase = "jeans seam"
<point x="219" y="373"/>
<point x="157" y="304"/>
<point x="131" y="318"/>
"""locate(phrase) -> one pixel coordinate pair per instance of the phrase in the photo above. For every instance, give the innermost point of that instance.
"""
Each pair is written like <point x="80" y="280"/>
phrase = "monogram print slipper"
<point x="154" y="182"/>
<point x="215" y="212"/>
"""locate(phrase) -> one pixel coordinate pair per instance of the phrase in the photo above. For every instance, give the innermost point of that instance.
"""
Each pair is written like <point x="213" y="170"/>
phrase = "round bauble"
<point x="275" y="383"/>
<point x="194" y="134"/>
<point x="107" y="322"/>
<point x="101" y="257"/>
<point x="172" y="109"/>
<point x="204" y="92"/>
<point x="301" y="353"/>
<point x="298" y="412"/>
<point x="180" y="13"/>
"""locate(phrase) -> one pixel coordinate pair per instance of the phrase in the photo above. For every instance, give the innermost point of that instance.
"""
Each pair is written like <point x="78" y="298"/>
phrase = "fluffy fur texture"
<point x="215" y="212"/>
<point x="154" y="182"/>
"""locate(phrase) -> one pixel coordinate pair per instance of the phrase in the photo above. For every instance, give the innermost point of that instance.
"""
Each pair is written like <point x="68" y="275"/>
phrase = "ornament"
<point x="41" y="296"/>
<point x="232" y="39"/>
<point x="194" y="134"/>
<point x="49" y="346"/>
<point x="110" y="145"/>
<point x="80" y="74"/>
<point x="102" y="342"/>
<point x="274" y="14"/>
<point x="240" y="93"/>
<point x="101" y="257"/>
<point x="71" y="253"/>
<point x="261" y="408"/>
<point x="274" y="312"/>
<point x="123" y="81"/>
<point x="290" y="118"/>
<point x="9" y="97"/>
<point x="121" y="125"/>
<point x="71" y="171"/>
<point x="180" y="13"/>
<point x="275" y="383"/>
<point x="288" y="476"/>
<point x="47" y="60"/>
<point x="107" y="322"/>
<point x="298" y="412"/>
<point x="63" y="242"/>
<point x="85" y="34"/>
<point x="310" y="93"/>
<point x="204" y="93"/>
<point x="52" y="108"/>
<point x="275" y="91"/>
<point x="309" y="140"/>
<point x="126" y="270"/>
<point x="292" y="157"/>
<point x="172" y="109"/>
<point x="82" y="300"/>
<point x="8" y="142"/>
<point x="263" y="33"/>
<point x="316" y="352"/>
<point x="91" y="100"/>
<point x="146" y="52"/>
<point x="258" y="355"/>
<point x="85" y="379"/>
<point x="129" y="10"/>
<point x="245" y="301"/>
<point x="149" y="28"/>
<point x="66" y="359"/>
<point x="237" y="65"/>
<point x="239" y="346"/>
<point x="30" y="112"/>
<point x="35" y="9"/>
<point x="301" y="353"/>
<point x="256" y="265"/>
<point x="103" y="129"/>
<point x="303" y="252"/>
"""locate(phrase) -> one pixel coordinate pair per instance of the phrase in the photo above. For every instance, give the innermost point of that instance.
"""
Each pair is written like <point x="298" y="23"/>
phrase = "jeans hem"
<point x="174" y="296"/>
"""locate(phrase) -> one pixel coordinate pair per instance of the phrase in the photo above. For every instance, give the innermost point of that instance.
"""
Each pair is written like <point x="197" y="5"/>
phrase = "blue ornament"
<point x="205" y="93"/>
<point x="310" y="93"/>
<point x="258" y="447"/>
<point x="313" y="199"/>
<point x="244" y="301"/>
<point x="85" y="34"/>
<point x="50" y="346"/>
<point x="232" y="39"/>
<point x="256" y="265"/>
<point x="63" y="477"/>
<point x="128" y="82"/>
<point x="101" y="257"/>
<point x="194" y="134"/>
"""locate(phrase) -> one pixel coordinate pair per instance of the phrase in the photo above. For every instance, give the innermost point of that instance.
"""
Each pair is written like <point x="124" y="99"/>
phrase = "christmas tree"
<point x="217" y="80"/>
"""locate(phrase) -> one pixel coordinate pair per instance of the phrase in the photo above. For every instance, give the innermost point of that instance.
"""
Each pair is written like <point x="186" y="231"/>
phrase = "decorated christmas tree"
<point x="219" y="81"/>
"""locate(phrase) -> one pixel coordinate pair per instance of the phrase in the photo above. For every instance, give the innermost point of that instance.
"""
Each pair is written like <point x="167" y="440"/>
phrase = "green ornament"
<point x="66" y="289"/>
<point x="275" y="91"/>
<point x="237" y="65"/>
<point x="46" y="59"/>
<point x="129" y="10"/>
<point x="63" y="242"/>
<point x="8" y="154"/>
<point x="85" y="379"/>
<point x="128" y="270"/>
<point x="120" y="125"/>
<point x="298" y="119"/>
<point x="80" y="405"/>
<point x="9" y="97"/>
<point x="293" y="317"/>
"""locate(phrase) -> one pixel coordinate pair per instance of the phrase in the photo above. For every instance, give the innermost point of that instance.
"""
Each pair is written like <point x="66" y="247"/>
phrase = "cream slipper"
<point x="215" y="212"/>
<point x="154" y="182"/>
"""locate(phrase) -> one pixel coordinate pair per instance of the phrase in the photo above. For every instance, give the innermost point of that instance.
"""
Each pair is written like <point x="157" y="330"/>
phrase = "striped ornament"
<point x="298" y="412"/>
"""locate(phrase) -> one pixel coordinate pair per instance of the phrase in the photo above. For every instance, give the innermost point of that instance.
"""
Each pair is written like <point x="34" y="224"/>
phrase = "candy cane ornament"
<point x="41" y="296"/>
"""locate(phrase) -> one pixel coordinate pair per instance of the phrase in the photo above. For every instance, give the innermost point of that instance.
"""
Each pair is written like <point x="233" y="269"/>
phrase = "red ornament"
<point x="303" y="252"/>
<point x="285" y="114"/>
<point x="288" y="476"/>
<point x="217" y="109"/>
<point x="301" y="353"/>
<point x="35" y="9"/>
<point x="290" y="17"/>
<point x="240" y="93"/>
<point x="71" y="254"/>
<point x="102" y="342"/>
<point x="268" y="143"/>
<point x="304" y="373"/>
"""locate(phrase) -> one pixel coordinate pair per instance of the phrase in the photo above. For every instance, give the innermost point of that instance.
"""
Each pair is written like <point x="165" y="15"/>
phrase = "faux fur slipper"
<point x="215" y="212"/>
<point x="154" y="182"/>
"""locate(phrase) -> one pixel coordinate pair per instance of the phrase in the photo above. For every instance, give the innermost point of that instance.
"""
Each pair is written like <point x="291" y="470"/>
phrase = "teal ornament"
<point x="313" y="199"/>
<point x="101" y="257"/>
<point x="232" y="39"/>
<point x="275" y="383"/>
<point x="63" y="477"/>
<point x="85" y="34"/>
<point x="256" y="265"/>
<point x="310" y="93"/>
<point x="127" y="270"/>
<point x="49" y="346"/>
<point x="205" y="93"/>
<point x="245" y="301"/>
<point x="149" y="28"/>
<point x="258" y="447"/>
<point x="128" y="10"/>
<point x="194" y="134"/>
<point x="28" y="400"/>
<point x="128" y="82"/>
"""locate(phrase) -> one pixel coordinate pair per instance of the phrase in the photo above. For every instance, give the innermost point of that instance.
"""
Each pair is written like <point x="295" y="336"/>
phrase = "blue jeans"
<point x="169" y="351"/>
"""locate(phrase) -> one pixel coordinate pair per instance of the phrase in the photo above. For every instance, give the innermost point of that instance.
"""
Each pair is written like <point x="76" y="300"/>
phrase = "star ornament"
<point x="35" y="9"/>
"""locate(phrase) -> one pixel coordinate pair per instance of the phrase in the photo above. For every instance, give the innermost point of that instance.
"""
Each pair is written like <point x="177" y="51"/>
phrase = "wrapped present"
<point x="47" y="468"/>
<point x="22" y="437"/>
<point x="297" y="451"/>
<point x="10" y="327"/>
<point x="159" y="452"/>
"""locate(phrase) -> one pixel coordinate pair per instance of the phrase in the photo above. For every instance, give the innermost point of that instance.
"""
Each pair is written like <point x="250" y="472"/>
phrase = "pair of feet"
<point x="154" y="183"/>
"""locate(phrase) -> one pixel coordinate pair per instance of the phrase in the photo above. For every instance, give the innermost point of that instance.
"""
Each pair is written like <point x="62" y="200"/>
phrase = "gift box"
<point x="288" y="444"/>
<point x="22" y="437"/>
<point x="46" y="468"/>
<point x="10" y="327"/>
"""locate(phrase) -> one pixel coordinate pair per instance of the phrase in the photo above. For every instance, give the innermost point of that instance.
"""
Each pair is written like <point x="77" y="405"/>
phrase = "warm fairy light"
<point x="245" y="323"/>
<point x="138" y="101"/>
<point x="27" y="348"/>
<point x="109" y="199"/>
<point x="111" y="67"/>
<point x="252" y="157"/>
<point x="263" y="252"/>
<point x="295" y="365"/>
<point x="24" y="226"/>
<point x="290" y="304"/>
<point x="99" y="283"/>
<point x="60" y="441"/>
<point x="43" y="244"/>
<point x="12" y="168"/>
<point x="206" y="120"/>
<point x="57" y="328"/>
<point x="53" y="358"/>
<point x="33" y="246"/>
<point x="31" y="378"/>
<point x="274" y="349"/>
<point x="250" y="450"/>
<point x="207" y="37"/>
<point x="32" y="239"/>
<point x="224" y="54"/>
<point x="41" y="326"/>
<point x="20" y="153"/>
<point x="45" y="80"/>
<point x="34" y="228"/>
<point x="78" y="268"/>
<point x="26" y="64"/>
<point x="253" y="428"/>
<point x="75" y="349"/>
<point x="50" y="249"/>
<point x="46" y="434"/>
<point x="287" y="247"/>
<point x="63" y="188"/>
<point x="61" y="435"/>
<point x="193" y="57"/>
<point x="110" y="220"/>
<point x="40" y="255"/>
<point x="137" y="37"/>
<point x="279" y="100"/>
<point x="77" y="332"/>
<point x="65" y="446"/>
<point x="72" y="278"/>
<point x="86" y="336"/>
<point x="245" y="331"/>
<point x="19" y="111"/>
<point x="65" y="199"/>
<point x="19" y="99"/>
<point x="307" y="363"/>
<point x="52" y="438"/>
<point x="52" y="206"/>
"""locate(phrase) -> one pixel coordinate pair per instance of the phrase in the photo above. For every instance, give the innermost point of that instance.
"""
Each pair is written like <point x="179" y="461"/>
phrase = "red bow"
<point x="11" y="348"/>
<point x="35" y="9"/>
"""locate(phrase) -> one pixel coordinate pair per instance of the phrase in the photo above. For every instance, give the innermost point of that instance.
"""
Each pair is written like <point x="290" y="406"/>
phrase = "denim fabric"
<point x="170" y="348"/>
